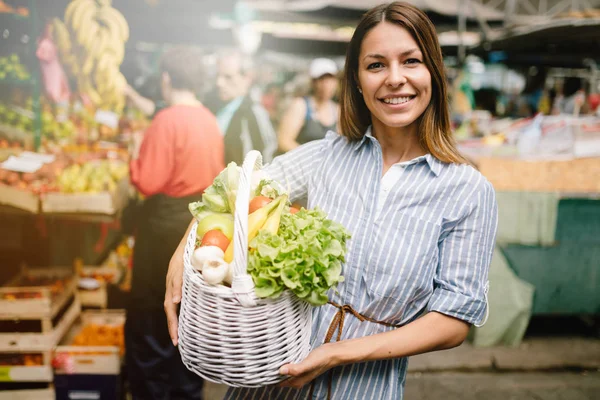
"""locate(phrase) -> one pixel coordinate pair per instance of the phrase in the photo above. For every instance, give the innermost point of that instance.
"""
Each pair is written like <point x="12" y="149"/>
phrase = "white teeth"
<point x="396" y="100"/>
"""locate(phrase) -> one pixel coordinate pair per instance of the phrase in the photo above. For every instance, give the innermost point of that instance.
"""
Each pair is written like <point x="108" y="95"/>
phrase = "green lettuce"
<point x="305" y="257"/>
<point x="220" y="196"/>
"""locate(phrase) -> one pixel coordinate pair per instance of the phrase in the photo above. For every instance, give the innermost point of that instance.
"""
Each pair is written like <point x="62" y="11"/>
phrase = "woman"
<point x="423" y="221"/>
<point x="180" y="155"/>
<point x="309" y="118"/>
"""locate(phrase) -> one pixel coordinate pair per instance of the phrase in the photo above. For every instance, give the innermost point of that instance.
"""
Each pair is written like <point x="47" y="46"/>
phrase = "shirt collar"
<point x="434" y="164"/>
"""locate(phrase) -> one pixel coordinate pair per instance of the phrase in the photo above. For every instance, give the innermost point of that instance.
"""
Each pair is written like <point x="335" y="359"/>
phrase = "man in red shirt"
<point x="181" y="153"/>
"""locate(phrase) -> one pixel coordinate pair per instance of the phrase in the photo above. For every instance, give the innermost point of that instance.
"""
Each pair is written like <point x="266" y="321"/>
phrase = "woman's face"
<point x="325" y="87"/>
<point x="395" y="83"/>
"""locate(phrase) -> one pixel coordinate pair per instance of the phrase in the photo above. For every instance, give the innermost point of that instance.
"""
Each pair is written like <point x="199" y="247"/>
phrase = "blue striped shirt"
<point x="427" y="249"/>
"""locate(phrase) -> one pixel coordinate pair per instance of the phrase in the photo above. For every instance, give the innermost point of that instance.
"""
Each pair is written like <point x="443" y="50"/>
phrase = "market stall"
<point x="548" y="192"/>
<point x="67" y="134"/>
<point x="64" y="149"/>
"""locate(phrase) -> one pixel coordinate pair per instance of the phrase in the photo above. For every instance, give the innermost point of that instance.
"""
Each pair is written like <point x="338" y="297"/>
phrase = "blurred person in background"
<point x="181" y="153"/>
<point x="243" y="120"/>
<point x="146" y="105"/>
<point x="309" y="118"/>
<point x="271" y="100"/>
<point x="533" y="92"/>
<point x="573" y="98"/>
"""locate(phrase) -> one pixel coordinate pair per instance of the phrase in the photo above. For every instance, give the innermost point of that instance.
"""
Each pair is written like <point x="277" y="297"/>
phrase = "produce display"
<point x="101" y="335"/>
<point x="21" y="359"/>
<point x="119" y="260"/>
<point x="7" y="9"/>
<point x="56" y="127"/>
<point x="61" y="175"/>
<point x="12" y="68"/>
<point x="92" y="177"/>
<point x="18" y="117"/>
<point x="289" y="249"/>
<point x="100" y="276"/>
<point x="91" y="42"/>
<point x="56" y="286"/>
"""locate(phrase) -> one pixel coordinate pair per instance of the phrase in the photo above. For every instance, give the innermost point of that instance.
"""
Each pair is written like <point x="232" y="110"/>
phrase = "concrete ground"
<point x="539" y="369"/>
<point x="503" y="386"/>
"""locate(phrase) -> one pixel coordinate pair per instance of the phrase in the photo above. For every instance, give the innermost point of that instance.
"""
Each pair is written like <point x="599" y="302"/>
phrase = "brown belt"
<point x="337" y="323"/>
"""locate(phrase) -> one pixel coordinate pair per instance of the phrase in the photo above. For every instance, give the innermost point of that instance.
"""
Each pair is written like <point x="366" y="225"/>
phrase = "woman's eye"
<point x="375" y="65"/>
<point x="413" y="61"/>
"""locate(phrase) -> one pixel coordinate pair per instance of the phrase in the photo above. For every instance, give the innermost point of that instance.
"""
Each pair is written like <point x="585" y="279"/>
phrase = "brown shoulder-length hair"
<point x="434" y="130"/>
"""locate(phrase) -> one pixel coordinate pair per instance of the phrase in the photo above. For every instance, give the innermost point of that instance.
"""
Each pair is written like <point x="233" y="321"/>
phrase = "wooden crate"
<point x="568" y="176"/>
<point x="97" y="298"/>
<point x="107" y="274"/>
<point x="21" y="370"/>
<point x="20" y="299"/>
<point x="18" y="198"/>
<point x="33" y="334"/>
<point x="46" y="393"/>
<point x="93" y="360"/>
<point x="94" y="203"/>
<point x="29" y="394"/>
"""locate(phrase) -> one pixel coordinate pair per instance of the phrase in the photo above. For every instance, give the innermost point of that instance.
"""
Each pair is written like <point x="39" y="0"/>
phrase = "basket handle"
<point x="242" y="285"/>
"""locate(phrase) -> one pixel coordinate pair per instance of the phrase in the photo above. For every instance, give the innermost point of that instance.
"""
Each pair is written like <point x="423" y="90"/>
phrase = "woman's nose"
<point x="395" y="77"/>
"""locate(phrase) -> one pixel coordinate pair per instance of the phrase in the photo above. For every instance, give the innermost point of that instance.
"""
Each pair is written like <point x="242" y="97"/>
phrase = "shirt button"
<point x="385" y="188"/>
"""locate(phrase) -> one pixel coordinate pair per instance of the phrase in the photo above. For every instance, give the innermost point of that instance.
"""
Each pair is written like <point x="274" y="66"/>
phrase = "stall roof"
<point x="511" y="11"/>
<point x="446" y="7"/>
<point x="561" y="42"/>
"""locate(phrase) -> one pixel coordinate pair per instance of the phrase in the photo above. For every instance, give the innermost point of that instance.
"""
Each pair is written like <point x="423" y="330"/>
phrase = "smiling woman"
<point x="382" y="74"/>
<point x="394" y="81"/>
<point x="423" y="222"/>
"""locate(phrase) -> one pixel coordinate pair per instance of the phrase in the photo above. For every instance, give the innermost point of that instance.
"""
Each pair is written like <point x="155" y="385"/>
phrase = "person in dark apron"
<point x="309" y="118"/>
<point x="181" y="153"/>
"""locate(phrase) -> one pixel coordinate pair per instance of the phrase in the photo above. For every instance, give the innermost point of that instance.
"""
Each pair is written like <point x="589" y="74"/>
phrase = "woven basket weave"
<point x="228" y="335"/>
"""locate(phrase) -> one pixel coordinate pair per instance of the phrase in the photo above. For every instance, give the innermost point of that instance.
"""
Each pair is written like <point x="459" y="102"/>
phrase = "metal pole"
<point x="462" y="27"/>
<point x="36" y="90"/>
<point x="509" y="11"/>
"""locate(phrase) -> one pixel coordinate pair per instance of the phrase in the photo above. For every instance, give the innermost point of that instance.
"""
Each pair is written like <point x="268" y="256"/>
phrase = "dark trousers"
<point x="154" y="367"/>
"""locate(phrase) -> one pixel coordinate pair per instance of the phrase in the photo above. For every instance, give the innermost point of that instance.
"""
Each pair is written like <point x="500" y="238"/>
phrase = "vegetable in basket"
<point x="305" y="257"/>
<point x="298" y="250"/>
<point x="219" y="198"/>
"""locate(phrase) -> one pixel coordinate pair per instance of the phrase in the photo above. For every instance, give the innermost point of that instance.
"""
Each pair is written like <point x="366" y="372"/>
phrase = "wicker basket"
<point x="228" y="335"/>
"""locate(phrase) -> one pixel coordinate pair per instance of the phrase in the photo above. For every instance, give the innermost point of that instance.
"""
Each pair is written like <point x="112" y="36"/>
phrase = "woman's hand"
<point x="319" y="361"/>
<point x="174" y="284"/>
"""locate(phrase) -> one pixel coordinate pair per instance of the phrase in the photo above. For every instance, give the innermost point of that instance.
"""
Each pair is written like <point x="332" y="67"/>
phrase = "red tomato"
<point x="215" y="238"/>
<point x="294" y="210"/>
<point x="258" y="202"/>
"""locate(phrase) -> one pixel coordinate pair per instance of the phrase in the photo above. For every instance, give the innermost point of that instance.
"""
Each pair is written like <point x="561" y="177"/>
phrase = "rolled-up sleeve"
<point x="465" y="253"/>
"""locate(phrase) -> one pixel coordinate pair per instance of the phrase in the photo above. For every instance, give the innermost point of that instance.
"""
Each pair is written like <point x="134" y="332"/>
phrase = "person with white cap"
<point x="310" y="118"/>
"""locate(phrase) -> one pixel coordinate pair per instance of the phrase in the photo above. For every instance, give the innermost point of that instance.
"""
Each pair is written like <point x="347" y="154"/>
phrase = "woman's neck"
<point x="183" y="97"/>
<point x="397" y="144"/>
<point x="320" y="102"/>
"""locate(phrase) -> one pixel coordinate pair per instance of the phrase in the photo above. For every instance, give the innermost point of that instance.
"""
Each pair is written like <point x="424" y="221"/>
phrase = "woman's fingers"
<point x="171" y="311"/>
<point x="297" y="382"/>
<point x="173" y="293"/>
<point x="174" y="284"/>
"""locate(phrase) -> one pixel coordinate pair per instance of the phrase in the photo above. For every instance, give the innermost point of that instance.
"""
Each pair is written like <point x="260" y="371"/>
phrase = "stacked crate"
<point x="37" y="309"/>
<point x="90" y="357"/>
